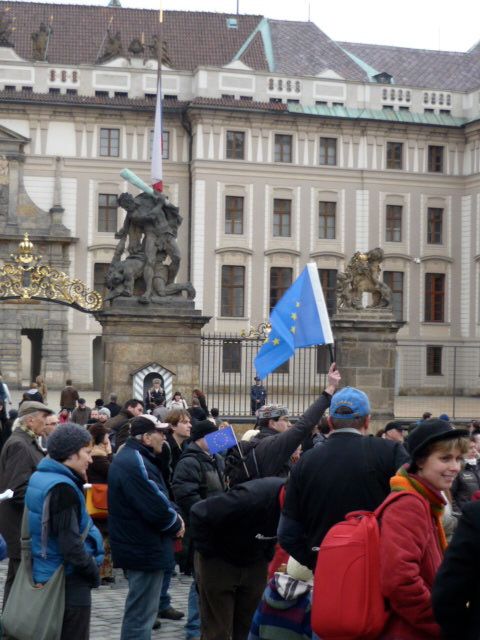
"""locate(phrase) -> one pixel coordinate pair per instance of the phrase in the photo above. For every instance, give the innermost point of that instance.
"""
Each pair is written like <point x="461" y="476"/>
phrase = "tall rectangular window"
<point x="234" y="214"/>
<point x="99" y="276"/>
<point x="435" y="159"/>
<point x="282" y="218"/>
<point x="434" y="225"/>
<point x="434" y="360"/>
<point x="110" y="142"/>
<point x="165" y="144"/>
<point x="393" y="226"/>
<point x="235" y="145"/>
<point x="233" y="291"/>
<point x="327" y="212"/>
<point x="434" y="297"/>
<point x="394" y="155"/>
<point x="394" y="279"/>
<point x="280" y="281"/>
<point x="328" y="151"/>
<point x="231" y="356"/>
<point x="283" y="147"/>
<point x="328" y="280"/>
<point x="107" y="212"/>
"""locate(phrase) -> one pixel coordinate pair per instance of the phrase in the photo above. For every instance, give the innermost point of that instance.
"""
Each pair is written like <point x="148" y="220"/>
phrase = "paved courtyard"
<point x="107" y="608"/>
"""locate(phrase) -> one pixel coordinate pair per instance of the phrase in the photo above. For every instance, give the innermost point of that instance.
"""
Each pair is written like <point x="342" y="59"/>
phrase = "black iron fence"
<point x="428" y="377"/>
<point x="227" y="373"/>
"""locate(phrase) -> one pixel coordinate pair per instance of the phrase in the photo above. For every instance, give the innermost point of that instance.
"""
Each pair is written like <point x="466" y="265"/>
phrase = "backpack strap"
<point x="392" y="497"/>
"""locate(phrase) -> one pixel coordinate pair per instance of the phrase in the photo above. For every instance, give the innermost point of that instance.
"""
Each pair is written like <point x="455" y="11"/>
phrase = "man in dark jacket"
<point x="68" y="396"/>
<point x="119" y="426"/>
<point x="142" y="524"/>
<point x="456" y="593"/>
<point x="278" y="440"/>
<point x="18" y="460"/>
<point x="197" y="476"/>
<point x="258" y="395"/>
<point x="113" y="405"/>
<point x="234" y="538"/>
<point x="348" y="473"/>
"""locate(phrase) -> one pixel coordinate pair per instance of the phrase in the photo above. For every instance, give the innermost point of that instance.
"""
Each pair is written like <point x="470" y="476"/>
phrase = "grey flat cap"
<point x="32" y="406"/>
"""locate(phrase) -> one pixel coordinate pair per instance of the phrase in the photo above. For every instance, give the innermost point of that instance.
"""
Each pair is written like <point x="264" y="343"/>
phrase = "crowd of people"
<point x="246" y="522"/>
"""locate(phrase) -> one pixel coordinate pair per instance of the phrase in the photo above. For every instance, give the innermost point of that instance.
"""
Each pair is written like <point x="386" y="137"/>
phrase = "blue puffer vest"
<point x="45" y="561"/>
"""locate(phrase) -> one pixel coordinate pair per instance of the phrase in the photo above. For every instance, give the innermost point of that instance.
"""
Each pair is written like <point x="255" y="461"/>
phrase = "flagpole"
<point x="157" y="160"/>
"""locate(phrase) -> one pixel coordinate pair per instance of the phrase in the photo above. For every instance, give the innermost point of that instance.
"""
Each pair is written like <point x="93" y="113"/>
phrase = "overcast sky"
<point x="425" y="24"/>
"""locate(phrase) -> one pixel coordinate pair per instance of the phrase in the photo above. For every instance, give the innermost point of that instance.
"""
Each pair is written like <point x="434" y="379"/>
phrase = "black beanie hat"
<point x="201" y="429"/>
<point x="66" y="440"/>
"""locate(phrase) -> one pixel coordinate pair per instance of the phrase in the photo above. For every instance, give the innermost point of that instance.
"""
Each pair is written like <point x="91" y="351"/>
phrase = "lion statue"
<point x="362" y="275"/>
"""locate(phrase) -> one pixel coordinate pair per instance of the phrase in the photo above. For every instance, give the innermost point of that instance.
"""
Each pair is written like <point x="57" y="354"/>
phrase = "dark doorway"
<point x="36" y="338"/>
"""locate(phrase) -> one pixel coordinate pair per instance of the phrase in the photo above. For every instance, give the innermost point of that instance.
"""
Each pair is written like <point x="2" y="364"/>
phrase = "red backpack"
<point x="347" y="597"/>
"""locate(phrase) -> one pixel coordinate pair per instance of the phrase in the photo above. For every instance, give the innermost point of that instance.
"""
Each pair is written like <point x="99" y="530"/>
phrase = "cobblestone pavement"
<point x="108" y="602"/>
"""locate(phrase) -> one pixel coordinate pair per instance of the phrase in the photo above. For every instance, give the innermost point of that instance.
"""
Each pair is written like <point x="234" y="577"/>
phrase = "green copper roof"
<point x="386" y="115"/>
<point x="370" y="71"/>
<point x="264" y="28"/>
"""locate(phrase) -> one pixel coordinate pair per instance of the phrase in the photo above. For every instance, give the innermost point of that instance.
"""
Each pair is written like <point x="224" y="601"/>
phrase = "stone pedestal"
<point x="366" y="342"/>
<point x="136" y="336"/>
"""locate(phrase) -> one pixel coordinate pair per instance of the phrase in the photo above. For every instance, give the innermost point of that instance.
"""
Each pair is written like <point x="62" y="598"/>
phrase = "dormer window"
<point x="383" y="78"/>
<point x="232" y="23"/>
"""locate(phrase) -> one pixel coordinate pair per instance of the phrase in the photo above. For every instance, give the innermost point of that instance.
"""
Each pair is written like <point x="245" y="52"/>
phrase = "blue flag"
<point x="221" y="440"/>
<point x="299" y="319"/>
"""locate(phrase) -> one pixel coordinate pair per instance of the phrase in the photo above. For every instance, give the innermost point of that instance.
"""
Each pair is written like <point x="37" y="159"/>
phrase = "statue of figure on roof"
<point x="156" y="48"/>
<point x="6" y="29"/>
<point x="113" y="47"/>
<point x="149" y="238"/>
<point x="136" y="48"/>
<point x="40" y="41"/>
<point x="362" y="275"/>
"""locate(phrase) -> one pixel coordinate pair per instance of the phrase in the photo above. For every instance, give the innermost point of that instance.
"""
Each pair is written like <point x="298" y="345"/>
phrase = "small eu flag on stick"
<point x="299" y="319"/>
<point x="222" y="440"/>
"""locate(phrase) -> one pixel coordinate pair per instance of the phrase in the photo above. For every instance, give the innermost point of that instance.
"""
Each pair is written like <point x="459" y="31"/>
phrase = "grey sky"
<point x="425" y="24"/>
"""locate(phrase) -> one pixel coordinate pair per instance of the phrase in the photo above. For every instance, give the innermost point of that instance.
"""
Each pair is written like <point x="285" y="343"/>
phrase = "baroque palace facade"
<point x="281" y="147"/>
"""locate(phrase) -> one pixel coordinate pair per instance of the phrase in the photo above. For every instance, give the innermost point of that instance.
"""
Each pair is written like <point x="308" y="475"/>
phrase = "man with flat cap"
<point x="258" y="395"/>
<point x="18" y="460"/>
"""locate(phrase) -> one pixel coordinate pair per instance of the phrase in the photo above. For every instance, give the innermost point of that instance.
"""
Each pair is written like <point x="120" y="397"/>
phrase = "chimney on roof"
<point x="114" y="3"/>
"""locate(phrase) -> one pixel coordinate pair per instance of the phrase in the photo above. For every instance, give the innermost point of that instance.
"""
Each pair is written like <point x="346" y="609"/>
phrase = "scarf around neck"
<point x="404" y="481"/>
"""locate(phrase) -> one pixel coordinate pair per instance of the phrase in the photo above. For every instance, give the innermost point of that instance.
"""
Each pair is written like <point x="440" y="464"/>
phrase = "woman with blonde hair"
<point x="412" y="536"/>
<point x="42" y="388"/>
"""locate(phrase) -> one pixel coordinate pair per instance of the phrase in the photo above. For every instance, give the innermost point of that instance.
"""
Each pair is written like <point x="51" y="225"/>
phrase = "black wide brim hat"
<point x="428" y="432"/>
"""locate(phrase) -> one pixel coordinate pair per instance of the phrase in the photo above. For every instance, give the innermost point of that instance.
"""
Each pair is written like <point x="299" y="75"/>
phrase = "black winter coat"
<point x="239" y="526"/>
<point x="456" y="591"/>
<point x="350" y="472"/>
<point x="197" y="476"/>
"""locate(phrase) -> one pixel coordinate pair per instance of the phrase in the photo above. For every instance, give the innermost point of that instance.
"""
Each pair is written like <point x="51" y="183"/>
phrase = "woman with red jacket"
<point x="412" y="540"/>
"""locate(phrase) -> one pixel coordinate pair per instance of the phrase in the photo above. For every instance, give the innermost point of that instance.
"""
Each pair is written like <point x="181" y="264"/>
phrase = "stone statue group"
<point x="149" y="240"/>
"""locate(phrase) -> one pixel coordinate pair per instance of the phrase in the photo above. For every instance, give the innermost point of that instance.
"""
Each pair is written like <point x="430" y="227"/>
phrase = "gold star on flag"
<point x="297" y="304"/>
<point x="293" y="316"/>
<point x="292" y="329"/>
<point x="265" y="341"/>
<point x="276" y="341"/>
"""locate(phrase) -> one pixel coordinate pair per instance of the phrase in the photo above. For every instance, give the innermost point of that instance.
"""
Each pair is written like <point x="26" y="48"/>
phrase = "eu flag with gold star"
<point x="299" y="319"/>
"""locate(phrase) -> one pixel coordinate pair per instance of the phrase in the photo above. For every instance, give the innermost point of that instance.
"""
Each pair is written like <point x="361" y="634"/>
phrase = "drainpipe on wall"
<point x="187" y="125"/>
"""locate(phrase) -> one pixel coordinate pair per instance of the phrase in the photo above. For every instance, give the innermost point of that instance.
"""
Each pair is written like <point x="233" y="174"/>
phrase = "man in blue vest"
<point x="258" y="395"/>
<point x="62" y="532"/>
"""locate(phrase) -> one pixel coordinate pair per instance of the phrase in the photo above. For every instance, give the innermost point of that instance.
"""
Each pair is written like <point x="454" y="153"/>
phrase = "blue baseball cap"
<point x="349" y="398"/>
